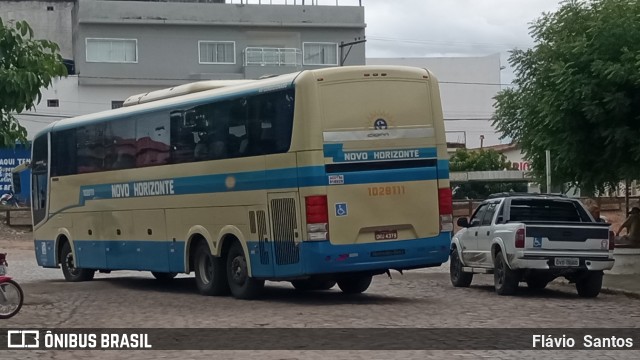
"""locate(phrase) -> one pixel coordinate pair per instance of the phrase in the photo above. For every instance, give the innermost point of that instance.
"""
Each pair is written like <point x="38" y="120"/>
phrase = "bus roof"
<point x="181" y="90"/>
<point x="197" y="92"/>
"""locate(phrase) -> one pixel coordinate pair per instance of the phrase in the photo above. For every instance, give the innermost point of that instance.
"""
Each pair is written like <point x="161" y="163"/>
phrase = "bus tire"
<point x="70" y="272"/>
<point x="242" y="286"/>
<point x="354" y="285"/>
<point x="210" y="272"/>
<point x="164" y="276"/>
<point x="313" y="284"/>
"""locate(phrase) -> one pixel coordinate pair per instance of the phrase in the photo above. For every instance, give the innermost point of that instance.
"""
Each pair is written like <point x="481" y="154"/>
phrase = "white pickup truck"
<point x="532" y="238"/>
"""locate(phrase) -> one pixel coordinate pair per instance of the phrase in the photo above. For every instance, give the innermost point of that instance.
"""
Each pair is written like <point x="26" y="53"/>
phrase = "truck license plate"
<point x="567" y="262"/>
<point x="387" y="235"/>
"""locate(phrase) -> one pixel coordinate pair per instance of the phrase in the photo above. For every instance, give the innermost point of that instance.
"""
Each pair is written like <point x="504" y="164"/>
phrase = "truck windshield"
<point x="546" y="210"/>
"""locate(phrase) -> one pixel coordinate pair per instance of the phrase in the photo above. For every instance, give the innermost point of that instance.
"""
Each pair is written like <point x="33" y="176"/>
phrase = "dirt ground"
<point x="20" y="234"/>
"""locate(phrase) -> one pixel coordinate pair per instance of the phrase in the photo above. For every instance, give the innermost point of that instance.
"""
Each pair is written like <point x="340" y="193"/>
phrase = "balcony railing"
<point x="298" y="2"/>
<point x="258" y="56"/>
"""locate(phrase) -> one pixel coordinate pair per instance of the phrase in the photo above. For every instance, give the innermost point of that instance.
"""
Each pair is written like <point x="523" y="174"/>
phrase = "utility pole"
<point x="548" y="156"/>
<point x="343" y="44"/>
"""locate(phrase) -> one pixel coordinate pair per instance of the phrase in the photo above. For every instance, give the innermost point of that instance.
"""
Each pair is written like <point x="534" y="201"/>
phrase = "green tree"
<point x="26" y="66"/>
<point x="577" y="94"/>
<point x="481" y="160"/>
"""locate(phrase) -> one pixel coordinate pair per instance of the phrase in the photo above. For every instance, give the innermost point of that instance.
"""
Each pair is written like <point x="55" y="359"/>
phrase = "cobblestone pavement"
<point x="422" y="298"/>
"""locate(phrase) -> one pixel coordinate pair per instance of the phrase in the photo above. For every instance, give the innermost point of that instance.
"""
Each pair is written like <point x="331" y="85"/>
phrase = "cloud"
<point x="408" y="28"/>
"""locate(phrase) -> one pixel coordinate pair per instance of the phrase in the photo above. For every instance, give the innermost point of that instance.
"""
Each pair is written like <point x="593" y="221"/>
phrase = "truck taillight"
<point x="317" y="217"/>
<point x="520" y="238"/>
<point x="612" y="240"/>
<point x="445" y="207"/>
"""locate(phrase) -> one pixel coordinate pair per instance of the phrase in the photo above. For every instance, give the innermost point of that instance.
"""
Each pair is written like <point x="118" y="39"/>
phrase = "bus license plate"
<point x="566" y="262"/>
<point x="387" y="235"/>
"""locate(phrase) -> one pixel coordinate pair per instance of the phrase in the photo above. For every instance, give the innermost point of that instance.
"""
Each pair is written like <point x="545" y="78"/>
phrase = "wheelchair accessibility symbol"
<point x="341" y="209"/>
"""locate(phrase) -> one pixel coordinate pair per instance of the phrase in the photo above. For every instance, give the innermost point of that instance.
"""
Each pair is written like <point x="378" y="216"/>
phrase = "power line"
<point x="442" y="42"/>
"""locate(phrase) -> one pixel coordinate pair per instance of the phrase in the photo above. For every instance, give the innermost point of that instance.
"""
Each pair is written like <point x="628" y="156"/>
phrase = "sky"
<point x="436" y="28"/>
<point x="423" y="28"/>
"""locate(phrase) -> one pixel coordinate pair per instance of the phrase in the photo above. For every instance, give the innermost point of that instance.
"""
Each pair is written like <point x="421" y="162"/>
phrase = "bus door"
<point x="40" y="178"/>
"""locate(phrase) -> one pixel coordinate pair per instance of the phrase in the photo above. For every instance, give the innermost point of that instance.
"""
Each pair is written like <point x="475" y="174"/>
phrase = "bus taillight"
<point x="445" y="204"/>
<point x="317" y="217"/>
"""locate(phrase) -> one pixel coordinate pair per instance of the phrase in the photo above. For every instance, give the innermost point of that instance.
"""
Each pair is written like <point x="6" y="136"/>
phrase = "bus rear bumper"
<point x="322" y="257"/>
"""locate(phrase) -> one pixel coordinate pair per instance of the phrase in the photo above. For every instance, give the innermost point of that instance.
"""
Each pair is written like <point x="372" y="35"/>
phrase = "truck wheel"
<point x="355" y="285"/>
<point x="241" y="284"/>
<point x="459" y="278"/>
<point x="537" y="283"/>
<point x="69" y="270"/>
<point x="589" y="286"/>
<point x="505" y="280"/>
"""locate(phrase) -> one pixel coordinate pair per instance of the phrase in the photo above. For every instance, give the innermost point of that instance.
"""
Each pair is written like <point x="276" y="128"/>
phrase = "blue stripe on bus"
<point x="322" y="257"/>
<point x="311" y="257"/>
<point x="337" y="154"/>
<point x="257" y="180"/>
<point x="45" y="253"/>
<point x="161" y="256"/>
<point x="443" y="169"/>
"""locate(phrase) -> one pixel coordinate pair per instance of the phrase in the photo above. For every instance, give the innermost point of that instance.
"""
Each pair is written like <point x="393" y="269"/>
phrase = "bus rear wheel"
<point x="241" y="284"/>
<point x="354" y="285"/>
<point x="210" y="272"/>
<point x="69" y="270"/>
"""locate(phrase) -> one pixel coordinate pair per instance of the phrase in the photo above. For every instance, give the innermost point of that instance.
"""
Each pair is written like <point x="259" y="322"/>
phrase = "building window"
<point x="320" y="53"/>
<point x="217" y="52"/>
<point x="53" y="103"/>
<point x="112" y="50"/>
<point x="115" y="104"/>
<point x="49" y="8"/>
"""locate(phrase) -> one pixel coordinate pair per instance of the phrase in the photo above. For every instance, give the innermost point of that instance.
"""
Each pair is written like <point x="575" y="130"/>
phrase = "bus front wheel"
<point x="354" y="285"/>
<point x="241" y="284"/>
<point x="210" y="272"/>
<point x="70" y="271"/>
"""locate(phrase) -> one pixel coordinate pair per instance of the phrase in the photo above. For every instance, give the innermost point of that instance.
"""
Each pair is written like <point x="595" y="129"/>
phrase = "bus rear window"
<point x="546" y="210"/>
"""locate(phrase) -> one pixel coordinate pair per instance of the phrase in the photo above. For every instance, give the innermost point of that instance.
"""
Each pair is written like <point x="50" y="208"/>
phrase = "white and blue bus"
<point x="318" y="177"/>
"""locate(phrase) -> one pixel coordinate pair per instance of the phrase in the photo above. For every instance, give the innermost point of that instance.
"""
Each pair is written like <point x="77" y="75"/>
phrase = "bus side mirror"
<point x="463" y="222"/>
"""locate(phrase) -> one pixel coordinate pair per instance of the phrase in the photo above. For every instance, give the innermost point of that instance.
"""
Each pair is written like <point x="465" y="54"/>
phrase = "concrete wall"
<point x="74" y="100"/>
<point x="167" y="36"/>
<point x="467" y="87"/>
<point x="54" y="25"/>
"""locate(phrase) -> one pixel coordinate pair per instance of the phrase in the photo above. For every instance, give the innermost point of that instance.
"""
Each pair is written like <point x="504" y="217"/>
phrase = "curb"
<point x="605" y="290"/>
<point x="615" y="291"/>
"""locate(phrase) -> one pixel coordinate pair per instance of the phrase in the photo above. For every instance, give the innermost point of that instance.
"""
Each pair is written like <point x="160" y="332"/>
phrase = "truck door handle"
<point x="476" y="233"/>
<point x="488" y="232"/>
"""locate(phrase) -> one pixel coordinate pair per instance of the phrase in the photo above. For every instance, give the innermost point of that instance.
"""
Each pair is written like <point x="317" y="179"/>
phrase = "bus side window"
<point x="182" y="138"/>
<point x="91" y="148"/>
<point x="121" y="145"/>
<point x="152" y="139"/>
